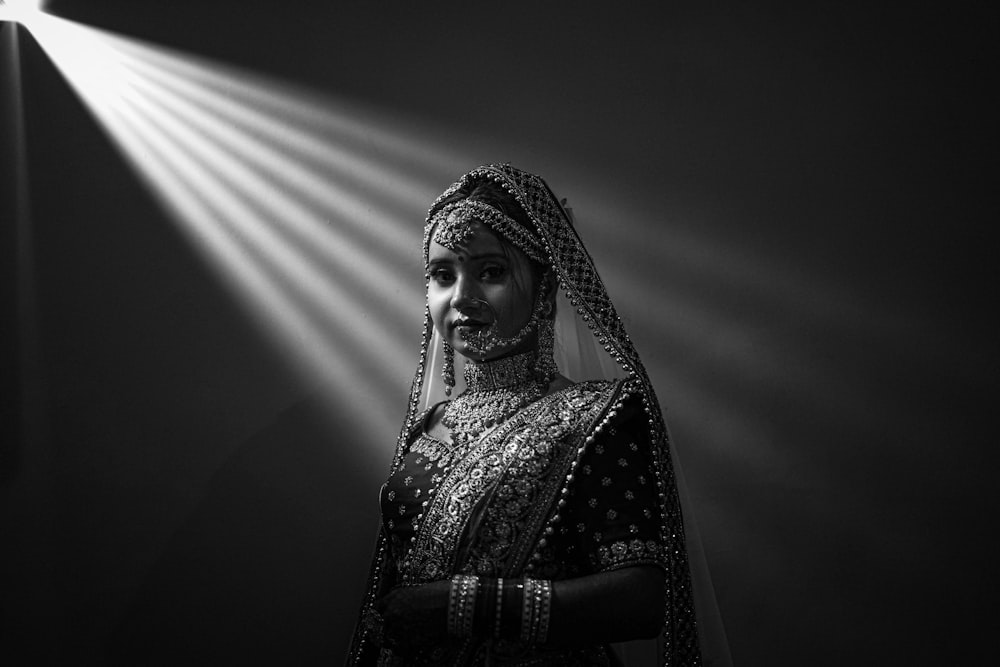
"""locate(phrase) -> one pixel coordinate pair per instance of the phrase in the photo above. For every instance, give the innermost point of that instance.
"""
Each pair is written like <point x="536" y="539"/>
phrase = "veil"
<point x="591" y="344"/>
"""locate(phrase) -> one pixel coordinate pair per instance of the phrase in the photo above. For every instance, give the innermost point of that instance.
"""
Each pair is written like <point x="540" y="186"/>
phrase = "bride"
<point x="531" y="515"/>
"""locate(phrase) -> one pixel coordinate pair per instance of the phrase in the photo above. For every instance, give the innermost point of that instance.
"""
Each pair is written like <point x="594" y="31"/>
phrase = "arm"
<point x="614" y="606"/>
<point x="605" y="607"/>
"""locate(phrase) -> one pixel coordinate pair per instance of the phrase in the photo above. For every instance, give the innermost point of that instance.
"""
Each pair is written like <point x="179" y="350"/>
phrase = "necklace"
<point x="495" y="391"/>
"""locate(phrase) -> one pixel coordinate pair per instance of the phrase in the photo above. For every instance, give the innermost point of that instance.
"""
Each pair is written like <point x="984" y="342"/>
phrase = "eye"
<point x="441" y="275"/>
<point x="493" y="272"/>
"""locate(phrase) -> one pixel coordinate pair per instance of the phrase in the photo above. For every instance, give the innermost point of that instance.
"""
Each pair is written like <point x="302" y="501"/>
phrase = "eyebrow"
<point x="487" y="255"/>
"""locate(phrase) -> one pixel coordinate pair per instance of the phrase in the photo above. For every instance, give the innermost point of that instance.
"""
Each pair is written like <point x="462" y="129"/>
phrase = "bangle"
<point x="510" y="625"/>
<point x="486" y="602"/>
<point x="536" y="611"/>
<point x="499" y="608"/>
<point x="526" y="609"/>
<point x="462" y="604"/>
<point x="545" y="612"/>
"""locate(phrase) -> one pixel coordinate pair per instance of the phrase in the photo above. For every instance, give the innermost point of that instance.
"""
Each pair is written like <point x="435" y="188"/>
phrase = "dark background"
<point x="814" y="184"/>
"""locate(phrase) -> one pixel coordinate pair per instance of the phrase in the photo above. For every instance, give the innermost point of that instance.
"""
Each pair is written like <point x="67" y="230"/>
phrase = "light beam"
<point x="310" y="209"/>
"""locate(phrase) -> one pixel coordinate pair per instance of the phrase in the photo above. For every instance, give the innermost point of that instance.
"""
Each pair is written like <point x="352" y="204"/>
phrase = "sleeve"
<point x="613" y="518"/>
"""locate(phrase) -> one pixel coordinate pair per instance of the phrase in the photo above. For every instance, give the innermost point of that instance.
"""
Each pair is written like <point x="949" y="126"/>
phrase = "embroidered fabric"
<point x="511" y="503"/>
<point x="611" y="523"/>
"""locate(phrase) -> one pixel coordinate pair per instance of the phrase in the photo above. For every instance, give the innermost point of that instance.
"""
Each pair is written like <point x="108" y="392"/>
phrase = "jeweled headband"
<point x="452" y="225"/>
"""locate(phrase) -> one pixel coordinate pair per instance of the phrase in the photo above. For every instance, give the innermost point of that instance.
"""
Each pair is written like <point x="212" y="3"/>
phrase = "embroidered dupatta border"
<point x="516" y="443"/>
<point x="586" y="407"/>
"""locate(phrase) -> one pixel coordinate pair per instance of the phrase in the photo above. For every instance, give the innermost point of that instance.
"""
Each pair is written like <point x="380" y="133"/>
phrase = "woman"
<point x="532" y="518"/>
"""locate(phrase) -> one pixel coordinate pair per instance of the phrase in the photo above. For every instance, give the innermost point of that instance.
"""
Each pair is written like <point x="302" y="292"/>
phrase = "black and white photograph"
<point x="497" y="334"/>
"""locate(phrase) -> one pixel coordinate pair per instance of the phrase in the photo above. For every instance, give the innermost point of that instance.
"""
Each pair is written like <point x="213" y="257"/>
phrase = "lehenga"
<point x="577" y="482"/>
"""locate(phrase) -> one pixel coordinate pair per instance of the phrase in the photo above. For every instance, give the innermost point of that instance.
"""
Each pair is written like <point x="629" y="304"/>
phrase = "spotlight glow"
<point x="309" y="208"/>
<point x="20" y="11"/>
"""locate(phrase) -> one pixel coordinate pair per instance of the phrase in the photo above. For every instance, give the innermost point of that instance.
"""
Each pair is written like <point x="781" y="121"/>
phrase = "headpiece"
<point x="453" y="223"/>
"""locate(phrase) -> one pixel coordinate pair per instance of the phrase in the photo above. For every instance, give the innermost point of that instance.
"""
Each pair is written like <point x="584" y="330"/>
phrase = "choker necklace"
<point x="495" y="391"/>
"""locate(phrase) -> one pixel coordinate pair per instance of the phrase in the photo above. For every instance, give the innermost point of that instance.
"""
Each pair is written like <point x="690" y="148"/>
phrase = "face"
<point x="480" y="287"/>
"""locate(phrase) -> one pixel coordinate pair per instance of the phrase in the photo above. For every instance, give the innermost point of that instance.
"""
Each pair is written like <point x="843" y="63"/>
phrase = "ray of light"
<point x="285" y="119"/>
<point x="317" y="231"/>
<point x="208" y="215"/>
<point x="291" y="157"/>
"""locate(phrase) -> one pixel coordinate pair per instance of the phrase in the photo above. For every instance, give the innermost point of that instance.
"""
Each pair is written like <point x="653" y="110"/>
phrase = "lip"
<point x="468" y="324"/>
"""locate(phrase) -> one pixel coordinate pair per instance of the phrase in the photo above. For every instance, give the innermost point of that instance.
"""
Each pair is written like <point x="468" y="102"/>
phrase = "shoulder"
<point x="598" y="404"/>
<point x="426" y="420"/>
<point x="618" y="414"/>
<point x="617" y="395"/>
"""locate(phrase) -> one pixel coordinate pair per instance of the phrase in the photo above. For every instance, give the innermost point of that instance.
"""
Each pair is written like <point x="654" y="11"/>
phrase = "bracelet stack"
<point x="518" y="610"/>
<point x="462" y="604"/>
<point x="536" y="610"/>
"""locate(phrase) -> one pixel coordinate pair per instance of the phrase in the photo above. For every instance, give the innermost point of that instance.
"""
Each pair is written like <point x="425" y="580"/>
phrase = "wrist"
<point x="517" y="610"/>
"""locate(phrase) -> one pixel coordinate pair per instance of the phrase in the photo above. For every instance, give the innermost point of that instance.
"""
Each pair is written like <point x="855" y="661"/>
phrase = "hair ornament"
<point x="453" y="224"/>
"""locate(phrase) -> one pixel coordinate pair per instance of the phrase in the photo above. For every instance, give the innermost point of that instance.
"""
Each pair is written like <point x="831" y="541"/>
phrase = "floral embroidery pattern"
<point x="521" y="496"/>
<point x="618" y="554"/>
<point x="524" y="446"/>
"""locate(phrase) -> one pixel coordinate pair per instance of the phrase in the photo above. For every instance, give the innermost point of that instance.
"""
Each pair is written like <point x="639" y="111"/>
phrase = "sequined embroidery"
<point x="435" y="450"/>
<point x="529" y="487"/>
<point x="520" y="451"/>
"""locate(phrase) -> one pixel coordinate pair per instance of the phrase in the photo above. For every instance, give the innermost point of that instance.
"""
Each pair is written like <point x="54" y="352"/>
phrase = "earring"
<point x="448" y="369"/>
<point x="545" y="363"/>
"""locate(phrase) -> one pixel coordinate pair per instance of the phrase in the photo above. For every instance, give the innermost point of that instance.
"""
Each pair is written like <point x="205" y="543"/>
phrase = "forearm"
<point x="606" y="607"/>
<point x="613" y="606"/>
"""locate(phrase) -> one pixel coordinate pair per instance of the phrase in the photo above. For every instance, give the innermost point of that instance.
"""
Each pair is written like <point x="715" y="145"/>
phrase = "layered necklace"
<point x="495" y="391"/>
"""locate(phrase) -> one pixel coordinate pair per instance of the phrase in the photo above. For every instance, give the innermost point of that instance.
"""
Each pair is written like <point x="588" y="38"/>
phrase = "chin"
<point x="463" y="349"/>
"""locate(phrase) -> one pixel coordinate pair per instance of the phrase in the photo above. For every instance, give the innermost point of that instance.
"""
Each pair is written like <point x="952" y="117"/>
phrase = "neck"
<point x="517" y="369"/>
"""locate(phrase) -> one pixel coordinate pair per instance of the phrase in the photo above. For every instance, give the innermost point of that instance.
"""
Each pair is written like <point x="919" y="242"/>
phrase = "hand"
<point x="414" y="616"/>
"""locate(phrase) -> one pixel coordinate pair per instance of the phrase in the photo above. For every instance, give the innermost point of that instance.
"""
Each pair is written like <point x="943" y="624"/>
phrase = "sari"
<point x="577" y="482"/>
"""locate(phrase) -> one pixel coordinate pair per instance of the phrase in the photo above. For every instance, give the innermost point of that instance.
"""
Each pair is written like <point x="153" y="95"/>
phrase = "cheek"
<point x="513" y="307"/>
<point x="439" y="302"/>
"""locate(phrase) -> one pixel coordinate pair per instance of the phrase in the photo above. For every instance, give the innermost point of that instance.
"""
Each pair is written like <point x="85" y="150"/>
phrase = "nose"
<point x="464" y="297"/>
